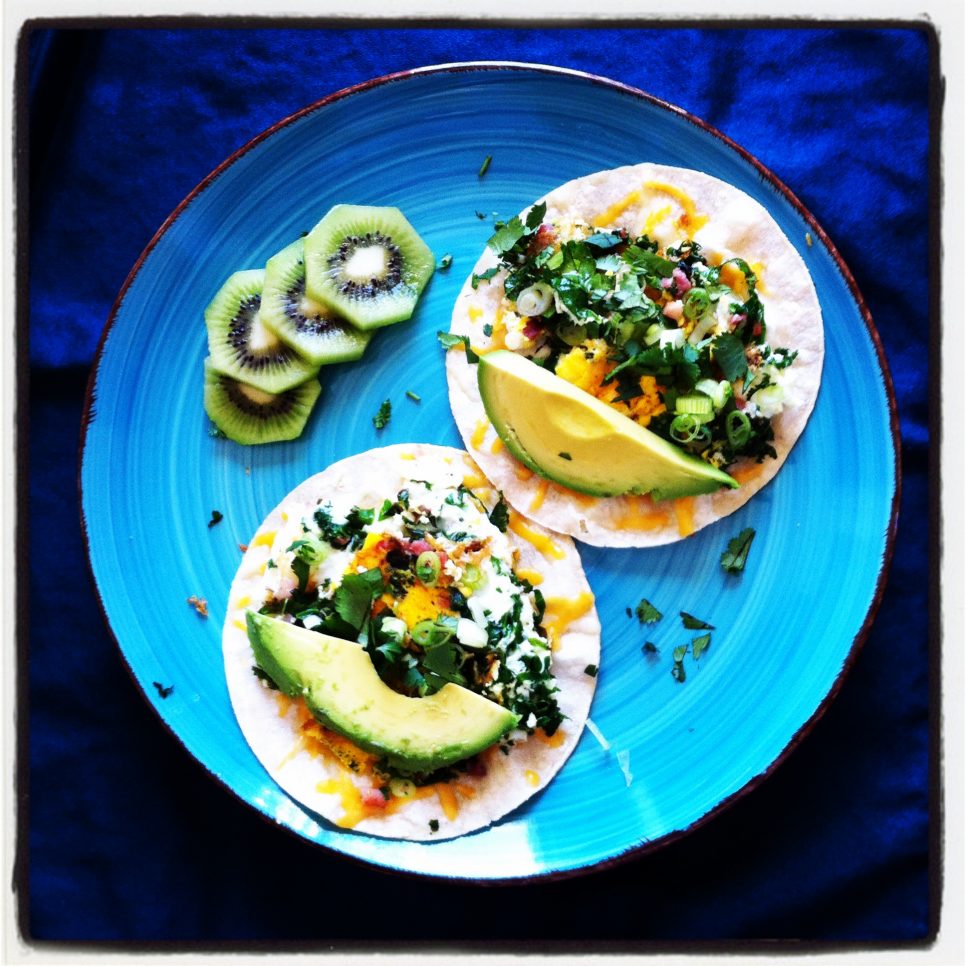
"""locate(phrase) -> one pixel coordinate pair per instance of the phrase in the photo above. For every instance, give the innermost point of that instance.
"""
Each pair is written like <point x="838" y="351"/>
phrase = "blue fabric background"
<point x="125" y="838"/>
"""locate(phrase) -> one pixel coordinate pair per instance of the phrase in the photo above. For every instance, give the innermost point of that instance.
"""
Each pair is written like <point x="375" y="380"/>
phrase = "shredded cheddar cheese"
<point x="540" y="541"/>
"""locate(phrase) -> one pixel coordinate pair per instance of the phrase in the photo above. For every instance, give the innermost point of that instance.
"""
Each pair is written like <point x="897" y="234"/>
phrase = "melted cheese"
<point x="532" y="577"/>
<point x="540" y="542"/>
<point x="497" y="445"/>
<point x="745" y="473"/>
<point x="654" y="219"/>
<point x="561" y="612"/>
<point x="555" y="740"/>
<point x="684" y="512"/>
<point x="641" y="514"/>
<point x="264" y="539"/>
<point x="476" y="440"/>
<point x="540" y="494"/>
<point x="611" y="214"/>
<point x="353" y="809"/>
<point x="689" y="221"/>
<point x="532" y="777"/>
<point x="447" y="800"/>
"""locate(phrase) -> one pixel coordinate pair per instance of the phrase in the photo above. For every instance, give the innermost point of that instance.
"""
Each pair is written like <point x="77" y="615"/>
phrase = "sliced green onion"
<point x="428" y="634"/>
<point x="695" y="404"/>
<point x="738" y="428"/>
<point x="427" y="567"/>
<point x="472" y="577"/>
<point x="402" y="787"/>
<point x="720" y="392"/>
<point x="653" y="333"/>
<point x="685" y="428"/>
<point x="696" y="303"/>
<point x="535" y="299"/>
<point x="572" y="333"/>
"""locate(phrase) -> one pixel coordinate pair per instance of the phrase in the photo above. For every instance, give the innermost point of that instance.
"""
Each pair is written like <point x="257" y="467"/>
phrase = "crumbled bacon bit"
<point x="243" y="547"/>
<point x="545" y="236"/>
<point x="199" y="604"/>
<point x="533" y="328"/>
<point x="373" y="798"/>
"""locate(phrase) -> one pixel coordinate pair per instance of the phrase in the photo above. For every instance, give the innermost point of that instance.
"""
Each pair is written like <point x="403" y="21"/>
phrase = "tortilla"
<point x="660" y="201"/>
<point x="282" y="733"/>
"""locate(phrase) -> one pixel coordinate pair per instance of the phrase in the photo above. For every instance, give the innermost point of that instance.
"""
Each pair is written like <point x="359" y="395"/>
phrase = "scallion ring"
<point x="534" y="299"/>
<point x="685" y="428"/>
<point x="427" y="567"/>
<point x="738" y="428"/>
<point x="428" y="634"/>
<point x="696" y="303"/>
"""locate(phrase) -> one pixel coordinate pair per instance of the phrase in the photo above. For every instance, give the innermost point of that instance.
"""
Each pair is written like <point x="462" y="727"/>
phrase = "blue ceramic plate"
<point x="151" y="475"/>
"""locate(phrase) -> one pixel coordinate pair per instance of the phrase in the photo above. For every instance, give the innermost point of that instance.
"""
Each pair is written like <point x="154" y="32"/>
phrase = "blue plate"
<point x="785" y="631"/>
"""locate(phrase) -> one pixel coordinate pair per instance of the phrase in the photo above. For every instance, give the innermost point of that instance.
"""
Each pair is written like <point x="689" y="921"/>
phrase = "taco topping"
<point x="659" y="333"/>
<point x="427" y="584"/>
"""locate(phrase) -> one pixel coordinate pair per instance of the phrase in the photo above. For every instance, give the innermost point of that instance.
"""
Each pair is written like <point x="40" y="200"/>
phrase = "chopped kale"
<point x="216" y="517"/>
<point x="500" y="515"/>
<point x="163" y="691"/>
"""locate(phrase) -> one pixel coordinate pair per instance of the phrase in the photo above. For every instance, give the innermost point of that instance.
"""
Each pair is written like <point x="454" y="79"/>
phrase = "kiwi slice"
<point x="249" y="415"/>
<point x="367" y="264"/>
<point x="242" y="346"/>
<point x="312" y="329"/>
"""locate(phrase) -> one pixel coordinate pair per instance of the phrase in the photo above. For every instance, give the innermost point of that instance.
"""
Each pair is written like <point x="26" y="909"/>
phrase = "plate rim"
<point x="855" y="648"/>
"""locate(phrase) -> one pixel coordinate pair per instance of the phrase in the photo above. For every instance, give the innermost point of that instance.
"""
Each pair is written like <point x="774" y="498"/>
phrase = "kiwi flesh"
<point x="241" y="346"/>
<point x="250" y="415"/>
<point x="367" y="264"/>
<point x="312" y="329"/>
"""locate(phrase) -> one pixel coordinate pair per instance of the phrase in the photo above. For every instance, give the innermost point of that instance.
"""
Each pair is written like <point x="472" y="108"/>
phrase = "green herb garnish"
<point x="692" y="623"/>
<point x="500" y="515"/>
<point x="485" y="166"/>
<point x="381" y="419"/>
<point x="216" y="517"/>
<point x="647" y="613"/>
<point x="411" y="395"/>
<point x="699" y="645"/>
<point x="445" y="262"/>
<point x="733" y="560"/>
<point x="449" y="340"/>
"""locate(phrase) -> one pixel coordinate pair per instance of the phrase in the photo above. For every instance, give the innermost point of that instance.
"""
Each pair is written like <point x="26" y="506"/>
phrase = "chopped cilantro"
<point x="445" y="262"/>
<point x="487" y="329"/>
<point x="649" y="647"/>
<point x="647" y="613"/>
<point x="692" y="623"/>
<point x="483" y="276"/>
<point x="485" y="166"/>
<point x="733" y="560"/>
<point x="449" y="340"/>
<point x="216" y="517"/>
<point x="381" y="419"/>
<point x="699" y="645"/>
<point x="678" y="653"/>
<point x="678" y="672"/>
<point x="481" y="216"/>
<point x="591" y="670"/>
<point x="163" y="691"/>
<point x="411" y="395"/>
<point x="729" y="353"/>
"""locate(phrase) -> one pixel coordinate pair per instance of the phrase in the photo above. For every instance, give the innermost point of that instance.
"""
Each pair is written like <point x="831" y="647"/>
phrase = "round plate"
<point x="152" y="473"/>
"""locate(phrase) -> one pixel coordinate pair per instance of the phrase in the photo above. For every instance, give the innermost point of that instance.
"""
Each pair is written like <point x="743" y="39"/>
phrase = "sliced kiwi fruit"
<point x="250" y="415"/>
<point x="312" y="329"/>
<point x="367" y="264"/>
<point x="242" y="346"/>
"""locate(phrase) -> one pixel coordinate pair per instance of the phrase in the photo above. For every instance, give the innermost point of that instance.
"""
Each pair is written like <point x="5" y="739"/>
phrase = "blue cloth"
<point x="128" y="839"/>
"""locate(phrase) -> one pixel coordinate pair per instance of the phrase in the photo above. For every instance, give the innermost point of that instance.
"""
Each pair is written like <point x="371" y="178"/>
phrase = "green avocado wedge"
<point x="568" y="436"/>
<point x="343" y="691"/>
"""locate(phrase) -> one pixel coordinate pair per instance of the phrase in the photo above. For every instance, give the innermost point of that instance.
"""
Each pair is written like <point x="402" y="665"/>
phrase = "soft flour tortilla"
<point x="737" y="225"/>
<point x="269" y="721"/>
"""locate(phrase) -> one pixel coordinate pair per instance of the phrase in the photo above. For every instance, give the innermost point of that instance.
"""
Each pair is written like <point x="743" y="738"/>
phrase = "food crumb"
<point x="199" y="604"/>
<point x="216" y="517"/>
<point x="808" y="239"/>
<point x="162" y="690"/>
<point x="583" y="525"/>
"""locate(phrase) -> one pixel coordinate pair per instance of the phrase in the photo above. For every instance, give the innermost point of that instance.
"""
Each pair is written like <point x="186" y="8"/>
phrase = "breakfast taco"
<point x="635" y="355"/>
<point x="405" y="655"/>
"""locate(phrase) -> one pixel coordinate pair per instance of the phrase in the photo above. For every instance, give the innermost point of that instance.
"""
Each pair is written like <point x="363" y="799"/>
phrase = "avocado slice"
<point x="568" y="436"/>
<point x="343" y="691"/>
